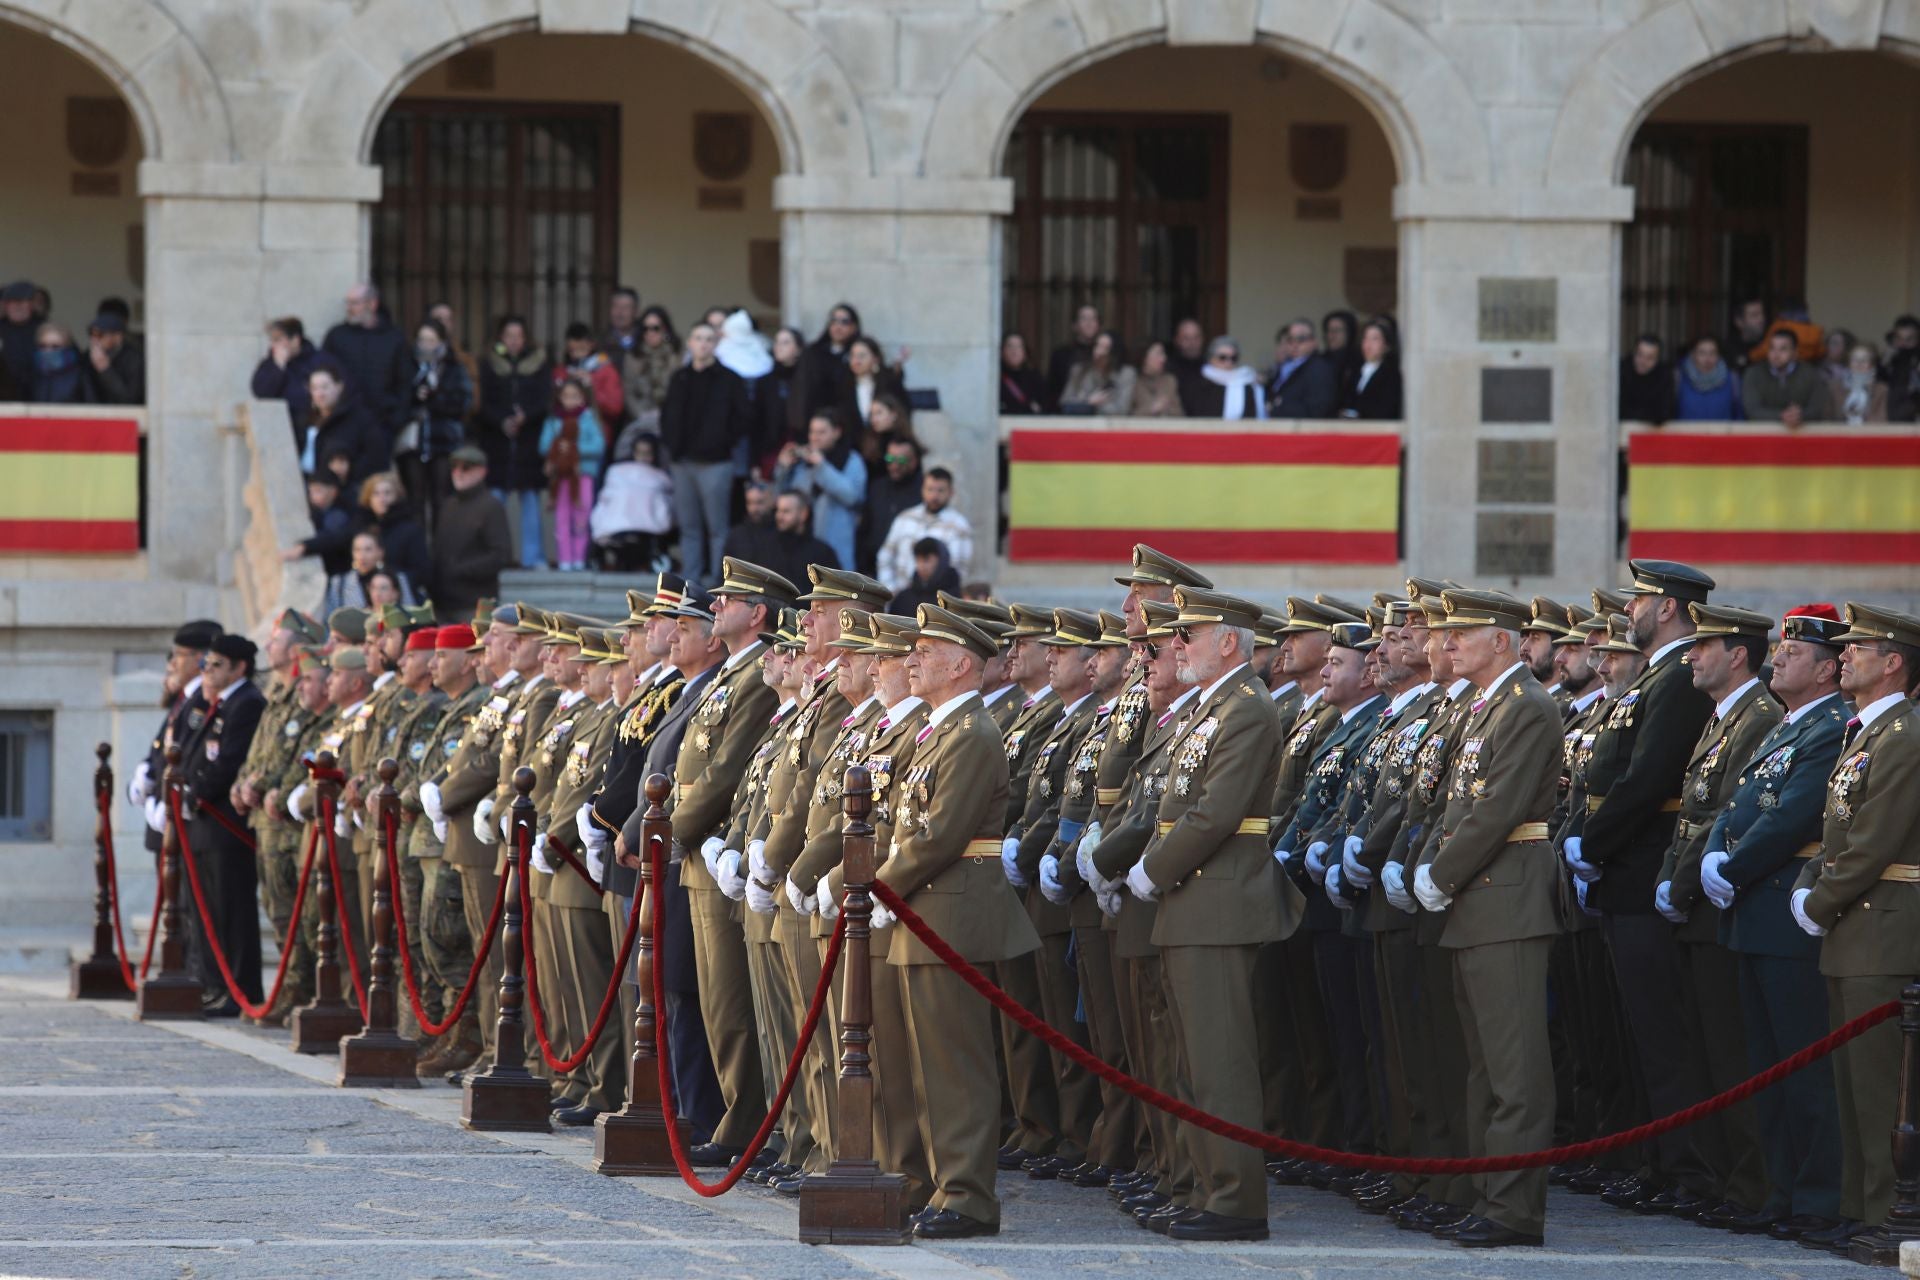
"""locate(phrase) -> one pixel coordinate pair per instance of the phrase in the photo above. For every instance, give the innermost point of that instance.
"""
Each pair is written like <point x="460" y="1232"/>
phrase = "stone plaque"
<point x="98" y="130"/>
<point x="1317" y="208"/>
<point x="1513" y="544"/>
<point x="1371" y="280"/>
<point x="1516" y="471"/>
<point x="1518" y="310"/>
<point x="722" y="144"/>
<point x="1317" y="155"/>
<point x="1516" y="395"/>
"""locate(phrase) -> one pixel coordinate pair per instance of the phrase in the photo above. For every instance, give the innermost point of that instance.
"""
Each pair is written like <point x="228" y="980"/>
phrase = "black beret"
<point x="236" y="648"/>
<point x="198" y="634"/>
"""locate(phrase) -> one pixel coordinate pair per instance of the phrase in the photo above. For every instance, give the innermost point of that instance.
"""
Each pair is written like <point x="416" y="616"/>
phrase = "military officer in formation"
<point x="1451" y="873"/>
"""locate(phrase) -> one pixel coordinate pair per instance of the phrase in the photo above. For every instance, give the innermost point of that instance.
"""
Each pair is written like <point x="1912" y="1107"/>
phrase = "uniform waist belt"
<point x="1810" y="850"/>
<point x="686" y="789"/>
<point x="1527" y="831"/>
<point x="1898" y="873"/>
<point x="1247" y="827"/>
<point x="985" y="847"/>
<point x="1666" y="806"/>
<point x="1106" y="795"/>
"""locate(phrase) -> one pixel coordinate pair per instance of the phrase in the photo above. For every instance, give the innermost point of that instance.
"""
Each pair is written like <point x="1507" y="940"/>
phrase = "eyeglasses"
<point x="653" y="326"/>
<point x="1183" y="634"/>
<point x="1226" y="357"/>
<point x="842" y="321"/>
<point x="897" y="457"/>
<point x="1149" y="648"/>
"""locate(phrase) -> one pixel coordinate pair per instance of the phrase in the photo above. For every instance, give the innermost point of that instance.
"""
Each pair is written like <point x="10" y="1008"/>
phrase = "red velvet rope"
<point x="236" y="832"/>
<point x="607" y="1000"/>
<point x="822" y="991"/>
<point x="427" y="1024"/>
<point x="559" y="846"/>
<point x="1572" y="1153"/>
<point x="113" y="889"/>
<point x="207" y="931"/>
<point x="325" y="826"/>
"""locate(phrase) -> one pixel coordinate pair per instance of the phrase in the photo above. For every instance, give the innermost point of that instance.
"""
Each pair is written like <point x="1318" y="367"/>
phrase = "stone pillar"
<point x="1512" y="447"/>
<point x="920" y="258"/>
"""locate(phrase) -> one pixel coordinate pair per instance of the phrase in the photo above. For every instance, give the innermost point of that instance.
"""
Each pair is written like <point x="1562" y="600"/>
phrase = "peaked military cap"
<point x="1313" y="615"/>
<point x="1483" y="609"/>
<point x="694" y="602"/>
<point x="1347" y="607"/>
<point x="1712" y="620"/>
<point x="1401" y="613"/>
<point x="1619" y="635"/>
<point x="1071" y="629"/>
<point x="977" y="610"/>
<point x="893" y="634"/>
<point x="1030" y="621"/>
<point x="1668" y="578"/>
<point x="1113" y="629"/>
<point x="1159" y="618"/>
<point x="1199" y="606"/>
<point x="1575" y="632"/>
<point x="638" y="603"/>
<point x="384" y="618"/>
<point x="1267" y="632"/>
<point x="483" y="610"/>
<point x="527" y="620"/>
<point x="1607" y="601"/>
<point x="744" y="578"/>
<point x="1434" y="609"/>
<point x="1872" y="624"/>
<point x="1813" y="623"/>
<point x="936" y="623"/>
<point x="845" y="585"/>
<point x="303" y="626"/>
<point x="786" y="630"/>
<point x="668" y="589"/>
<point x="564" y="628"/>
<point x="1154" y="569"/>
<point x="1352" y="635"/>
<point x="1381" y="599"/>
<point x="1549" y="615"/>
<point x="1419" y="588"/>
<point x="856" y="633"/>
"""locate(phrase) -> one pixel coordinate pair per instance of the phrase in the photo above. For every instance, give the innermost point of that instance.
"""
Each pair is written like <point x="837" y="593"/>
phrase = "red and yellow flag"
<point x="1227" y="497"/>
<point x="1773" y="499"/>
<point x="69" y="484"/>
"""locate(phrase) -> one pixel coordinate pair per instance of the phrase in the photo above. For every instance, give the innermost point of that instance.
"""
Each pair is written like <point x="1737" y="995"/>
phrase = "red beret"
<point x="1820" y="610"/>
<point x="425" y="638"/>
<point x="457" y="636"/>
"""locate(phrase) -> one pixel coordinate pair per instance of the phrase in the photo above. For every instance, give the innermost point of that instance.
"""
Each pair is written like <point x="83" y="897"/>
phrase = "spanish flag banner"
<point x="1227" y="497"/>
<point x="69" y="484"/>
<point x="1774" y="499"/>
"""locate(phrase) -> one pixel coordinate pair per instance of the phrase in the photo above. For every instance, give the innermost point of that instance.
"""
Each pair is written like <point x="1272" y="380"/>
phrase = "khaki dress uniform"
<point x="267" y="757"/>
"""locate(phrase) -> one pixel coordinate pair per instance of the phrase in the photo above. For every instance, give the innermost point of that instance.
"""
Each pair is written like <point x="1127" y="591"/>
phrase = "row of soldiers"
<point x="1315" y="870"/>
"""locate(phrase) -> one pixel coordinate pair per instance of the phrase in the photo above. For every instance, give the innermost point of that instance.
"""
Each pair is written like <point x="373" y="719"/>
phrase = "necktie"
<point x="1853" y="731"/>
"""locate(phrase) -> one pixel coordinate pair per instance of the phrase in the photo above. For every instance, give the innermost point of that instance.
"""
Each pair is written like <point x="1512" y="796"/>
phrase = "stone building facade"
<point x="1489" y="142"/>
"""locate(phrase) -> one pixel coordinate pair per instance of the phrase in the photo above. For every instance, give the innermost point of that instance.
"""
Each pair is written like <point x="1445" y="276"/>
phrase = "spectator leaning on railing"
<point x="1706" y="390"/>
<point x="17" y="333"/>
<point x="1305" y="383"/>
<point x="1783" y="388"/>
<point x="115" y="370"/>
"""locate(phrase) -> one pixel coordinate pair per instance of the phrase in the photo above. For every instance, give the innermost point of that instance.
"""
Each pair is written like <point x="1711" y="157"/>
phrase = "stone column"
<point x="1512" y="447"/>
<point x="920" y="258"/>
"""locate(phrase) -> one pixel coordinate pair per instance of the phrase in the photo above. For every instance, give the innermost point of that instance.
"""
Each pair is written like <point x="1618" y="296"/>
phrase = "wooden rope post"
<point x="632" y="1142"/>
<point x="380" y="1057"/>
<point x="98" y="976"/>
<point x="319" y="1026"/>
<point x="508" y="1096"/>
<point x="854" y="1201"/>
<point x="171" y="992"/>
<point x="1880" y="1247"/>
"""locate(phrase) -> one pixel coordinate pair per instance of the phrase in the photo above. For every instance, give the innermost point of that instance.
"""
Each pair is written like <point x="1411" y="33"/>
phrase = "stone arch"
<point x="777" y="61"/>
<point x="1685" y="40"/>
<point x="1386" y="61"/>
<point x="170" y="90"/>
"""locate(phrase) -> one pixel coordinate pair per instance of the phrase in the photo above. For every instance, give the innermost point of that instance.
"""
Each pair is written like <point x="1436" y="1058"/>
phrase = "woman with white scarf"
<point x="1858" y="394"/>
<point x="1228" y="389"/>
<point x="741" y="349"/>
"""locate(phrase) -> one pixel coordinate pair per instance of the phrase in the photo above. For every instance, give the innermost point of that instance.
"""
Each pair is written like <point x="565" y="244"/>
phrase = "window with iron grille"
<point x="26" y="776"/>
<point x="1126" y="211"/>
<point x="495" y="208"/>
<point x="1719" y="214"/>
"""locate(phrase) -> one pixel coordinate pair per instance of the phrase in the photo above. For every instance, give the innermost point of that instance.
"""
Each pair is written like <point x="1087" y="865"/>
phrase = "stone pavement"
<point x="166" y="1150"/>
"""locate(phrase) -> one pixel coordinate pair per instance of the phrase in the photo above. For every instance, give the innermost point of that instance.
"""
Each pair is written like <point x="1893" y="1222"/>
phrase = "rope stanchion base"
<point x="853" y="1202"/>
<point x="633" y="1142"/>
<point x="507" y="1099"/>
<point x="97" y="978"/>
<point x="321" y="1026"/>
<point x="378" y="1060"/>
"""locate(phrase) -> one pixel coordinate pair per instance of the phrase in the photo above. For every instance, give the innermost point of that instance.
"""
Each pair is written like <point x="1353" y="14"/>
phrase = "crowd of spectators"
<point x="1340" y="368"/>
<point x="1775" y="366"/>
<point x="42" y="362"/>
<point x="431" y="469"/>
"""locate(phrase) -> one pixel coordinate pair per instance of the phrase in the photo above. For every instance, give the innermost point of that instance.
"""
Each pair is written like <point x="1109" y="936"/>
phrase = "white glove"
<point x="1283" y="856"/>
<point x="1316" y="864"/>
<point x="1581" y="868"/>
<point x="506" y="823"/>
<point x="726" y="874"/>
<point x="342" y="829"/>
<point x="1393" y="878"/>
<point x="1800" y="916"/>
<point x="1050" y="886"/>
<point x="1141" y="883"/>
<point x="759" y="900"/>
<point x="1717" y="887"/>
<point x="1580" y="892"/>
<point x="483" y="822"/>
<point x="1360" y="877"/>
<point x="539" y="853"/>
<point x="597" y="861"/>
<point x="359" y="823"/>
<point x="430" y="802"/>
<point x="757" y="858"/>
<point x="710" y="854"/>
<point x="1090" y="838"/>
<point x="156" y="810"/>
<point x="140" y="786"/>
<point x="439" y="829"/>
<point x="823" y="898"/>
<point x="881" y="916"/>
<point x="297" y="803"/>
<point x="1333" y="886"/>
<point x="1009" y="855"/>
<point x="583" y="824"/>
<point x="1427" y="891"/>
<point x="1110" y="899"/>
<point x="1663" y="902"/>
<point x="1083" y="863"/>
<point x="802" y="902"/>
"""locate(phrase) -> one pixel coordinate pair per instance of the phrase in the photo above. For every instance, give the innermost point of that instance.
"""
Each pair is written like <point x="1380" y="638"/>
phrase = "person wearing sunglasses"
<point x="1227" y="388"/>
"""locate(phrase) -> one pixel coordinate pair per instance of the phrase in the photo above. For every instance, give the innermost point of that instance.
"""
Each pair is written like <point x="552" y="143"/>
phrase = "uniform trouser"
<point x="1027" y="1062"/>
<point x="696" y="1089"/>
<point x="1396" y="971"/>
<point x="1078" y="1092"/>
<point x="279" y="868"/>
<point x="1300" y="1086"/>
<point x="556" y="976"/>
<point x="581" y="937"/>
<point x="726" y="1007"/>
<point x="1116" y="1128"/>
<point x="773" y="1017"/>
<point x="347" y="894"/>
<point x="1573" y="1094"/>
<point x="617" y="910"/>
<point x="1148" y="1031"/>
<point x="446" y="940"/>
<point x="799" y="959"/>
<point x="1209" y="990"/>
<point x="897" y="1144"/>
<point x="229" y="880"/>
<point x="411" y="889"/>
<point x="1867" y="1079"/>
<point x="957" y="1098"/>
<point x="1730" y="1139"/>
<point x="1444" y="1073"/>
<point x="1784" y="1003"/>
<point x="478" y="888"/>
<point x="1338" y="964"/>
<point x="1500" y="991"/>
<point x="1604" y="1037"/>
<point x="1673" y="1069"/>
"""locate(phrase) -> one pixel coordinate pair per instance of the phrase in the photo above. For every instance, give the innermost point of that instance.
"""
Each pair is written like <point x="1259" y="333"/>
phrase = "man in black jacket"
<point x="229" y="878"/>
<point x="706" y="414"/>
<point x="374" y="355"/>
<point x="471" y="544"/>
<point x="1305" y="383"/>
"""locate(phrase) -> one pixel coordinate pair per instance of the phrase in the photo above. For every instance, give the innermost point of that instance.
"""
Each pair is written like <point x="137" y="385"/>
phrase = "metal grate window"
<point x="1126" y="211"/>
<point x="26" y="776"/>
<point x="496" y="208"/>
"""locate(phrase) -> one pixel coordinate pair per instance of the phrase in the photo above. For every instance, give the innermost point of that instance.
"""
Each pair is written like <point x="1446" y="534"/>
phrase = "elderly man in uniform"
<point x="1209" y="867"/>
<point x="1859" y="897"/>
<point x="943" y="863"/>
<point x="1492" y="872"/>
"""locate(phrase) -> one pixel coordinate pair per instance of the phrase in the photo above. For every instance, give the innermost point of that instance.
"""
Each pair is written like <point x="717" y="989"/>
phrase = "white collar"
<point x="536" y="678"/>
<point x="1793" y="716"/>
<point x="735" y="658"/>
<point x="232" y="689"/>
<point x="1874" y="710"/>
<point x="346" y="713"/>
<point x="1455" y="689"/>
<point x="193" y="687"/>
<point x="1554" y="687"/>
<point x="506" y="679"/>
<point x="1502" y="677"/>
<point x="384" y="679"/>
<point x="645" y="679"/>
<point x="1177" y="703"/>
<point x="950" y="706"/>
<point x="1726" y="703"/>
<point x="860" y="710"/>
<point x="1357" y="708"/>
<point x="1400" y="700"/>
<point x="1283" y="690"/>
<point x="1586" y="699"/>
<point x="1313" y="698"/>
<point x="785" y="706"/>
<point x="568" y="697"/>
<point x="663" y="673"/>
<point x="1215" y="686"/>
<point x="606" y="705"/>
<point x="898" y="711"/>
<point x="1067" y="711"/>
<point x="1667" y="648"/>
<point x="997" y="694"/>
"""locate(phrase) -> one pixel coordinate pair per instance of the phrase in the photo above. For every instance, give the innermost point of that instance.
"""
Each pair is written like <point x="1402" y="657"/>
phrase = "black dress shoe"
<point x="1717" y="1215"/>
<point x="1146" y="1202"/>
<point x="1414" y="1204"/>
<point x="1092" y="1175"/>
<point x="1125" y="1184"/>
<point x="1290" y="1173"/>
<point x="1381" y="1199"/>
<point x="1561" y="1175"/>
<point x="712" y="1155"/>
<point x="221" y="1008"/>
<point x="1750" y="1224"/>
<point x="1158" y="1220"/>
<point x="1434" y="1216"/>
<point x="1689" y="1206"/>
<point x="1320" y="1176"/>
<point x="789" y="1186"/>
<point x="1012" y="1157"/>
<point x="1485" y="1233"/>
<point x="1625" y="1193"/>
<point x="945" y="1224"/>
<point x="1044" y="1168"/>
<point x="575" y="1117"/>
<point x="1204" y="1225"/>
<point x="1799" y="1224"/>
<point x="1591" y="1181"/>
<point x="1448" y="1230"/>
<point x="1347" y="1181"/>
<point x="1839" y="1233"/>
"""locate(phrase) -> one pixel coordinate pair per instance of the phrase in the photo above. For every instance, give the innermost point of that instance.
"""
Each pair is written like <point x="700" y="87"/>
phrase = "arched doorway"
<point x="535" y="173"/>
